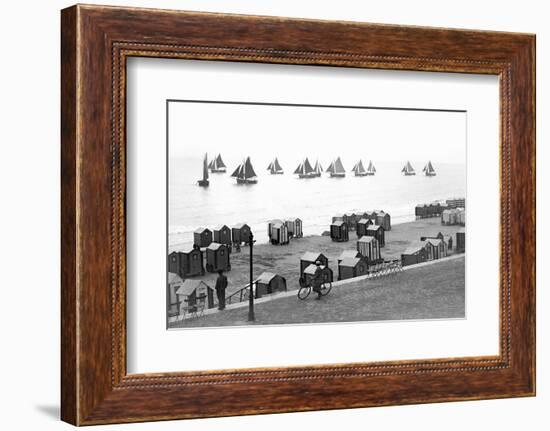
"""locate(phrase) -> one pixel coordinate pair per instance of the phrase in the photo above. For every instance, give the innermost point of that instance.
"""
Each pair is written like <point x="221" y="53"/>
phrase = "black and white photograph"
<point x="286" y="213"/>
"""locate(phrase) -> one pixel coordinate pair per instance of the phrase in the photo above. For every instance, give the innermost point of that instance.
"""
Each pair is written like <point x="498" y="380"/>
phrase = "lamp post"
<point x="251" y="316"/>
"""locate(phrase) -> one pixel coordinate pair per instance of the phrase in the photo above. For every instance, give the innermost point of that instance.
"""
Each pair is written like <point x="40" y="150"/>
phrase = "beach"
<point x="285" y="259"/>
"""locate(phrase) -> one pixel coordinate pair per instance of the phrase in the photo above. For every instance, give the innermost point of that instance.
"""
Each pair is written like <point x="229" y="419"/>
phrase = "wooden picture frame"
<point x="95" y="43"/>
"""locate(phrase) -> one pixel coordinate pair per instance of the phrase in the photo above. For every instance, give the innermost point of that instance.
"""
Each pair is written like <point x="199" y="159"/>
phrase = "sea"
<point x="314" y="200"/>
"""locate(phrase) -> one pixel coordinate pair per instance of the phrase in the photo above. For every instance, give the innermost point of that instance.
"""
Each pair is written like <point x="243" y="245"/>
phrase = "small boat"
<point x="359" y="169"/>
<point x="336" y="169"/>
<point x="429" y="170"/>
<point x="245" y="173"/>
<point x="318" y="169"/>
<point x="408" y="169"/>
<point x="371" y="170"/>
<point x="275" y="168"/>
<point x="204" y="182"/>
<point x="217" y="165"/>
<point x="305" y="170"/>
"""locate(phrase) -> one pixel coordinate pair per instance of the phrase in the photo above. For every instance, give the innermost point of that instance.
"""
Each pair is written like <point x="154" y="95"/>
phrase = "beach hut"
<point x="217" y="257"/>
<point x="377" y="232"/>
<point x="174" y="283"/>
<point x="294" y="226"/>
<point x="311" y="270"/>
<point x="279" y="233"/>
<point x="195" y="292"/>
<point x="449" y="216"/>
<point x="461" y="241"/>
<point x="348" y="254"/>
<point x="461" y="216"/>
<point x="268" y="283"/>
<point x="352" y="267"/>
<point x="369" y="248"/>
<point x="352" y="221"/>
<point x="383" y="219"/>
<point x="362" y="226"/>
<point x="186" y="263"/>
<point x="270" y="224"/>
<point x="416" y="253"/>
<point x="222" y="235"/>
<point x="339" y="231"/>
<point x="437" y="249"/>
<point x="202" y="237"/>
<point x="309" y="258"/>
<point x="240" y="233"/>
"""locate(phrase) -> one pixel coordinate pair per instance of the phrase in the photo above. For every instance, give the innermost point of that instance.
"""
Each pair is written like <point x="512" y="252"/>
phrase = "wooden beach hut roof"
<point x="214" y="246"/>
<point x="220" y="227"/>
<point x="338" y="223"/>
<point x="312" y="268"/>
<point x="240" y="225"/>
<point x="350" y="261"/>
<point x="415" y="247"/>
<point x="366" y="238"/>
<point x="265" y="277"/>
<point x="189" y="286"/>
<point x="311" y="256"/>
<point x="201" y="229"/>
<point x="434" y="241"/>
<point x="174" y="278"/>
<point x="373" y="227"/>
<point x="348" y="253"/>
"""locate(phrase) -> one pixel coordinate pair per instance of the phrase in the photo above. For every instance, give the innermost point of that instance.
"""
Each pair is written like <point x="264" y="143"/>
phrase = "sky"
<point x="294" y="132"/>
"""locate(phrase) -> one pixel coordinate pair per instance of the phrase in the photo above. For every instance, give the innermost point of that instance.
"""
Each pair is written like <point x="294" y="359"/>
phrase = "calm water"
<point x="314" y="200"/>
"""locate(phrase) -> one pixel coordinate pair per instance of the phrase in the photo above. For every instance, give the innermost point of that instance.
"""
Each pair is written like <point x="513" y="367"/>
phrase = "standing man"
<point x="221" y="285"/>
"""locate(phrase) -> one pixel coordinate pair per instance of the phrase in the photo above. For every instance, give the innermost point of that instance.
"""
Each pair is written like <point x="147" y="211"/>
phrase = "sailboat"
<point x="359" y="169"/>
<point x="336" y="169"/>
<point x="371" y="170"/>
<point x="317" y="169"/>
<point x="204" y="182"/>
<point x="245" y="173"/>
<point x="217" y="165"/>
<point x="408" y="169"/>
<point x="275" y="168"/>
<point x="304" y="170"/>
<point x="429" y="170"/>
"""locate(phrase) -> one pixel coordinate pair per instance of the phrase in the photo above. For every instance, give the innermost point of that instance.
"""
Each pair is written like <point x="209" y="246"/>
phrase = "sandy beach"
<point x="285" y="259"/>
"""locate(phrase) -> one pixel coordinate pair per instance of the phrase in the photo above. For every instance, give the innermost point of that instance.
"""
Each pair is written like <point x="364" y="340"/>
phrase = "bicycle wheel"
<point x="325" y="288"/>
<point x="304" y="292"/>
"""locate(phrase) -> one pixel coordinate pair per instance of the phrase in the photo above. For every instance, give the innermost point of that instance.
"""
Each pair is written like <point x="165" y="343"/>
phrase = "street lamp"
<point x="251" y="316"/>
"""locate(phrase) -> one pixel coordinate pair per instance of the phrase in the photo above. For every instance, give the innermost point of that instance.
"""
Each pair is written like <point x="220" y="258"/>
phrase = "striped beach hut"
<point x="461" y="216"/>
<point x="377" y="232"/>
<point x="352" y="267"/>
<point x="347" y="254"/>
<point x="311" y="257"/>
<point x="270" y="224"/>
<point x="294" y="226"/>
<point x="449" y="217"/>
<point x="461" y="240"/>
<point x="202" y="237"/>
<point x="217" y="257"/>
<point x="362" y="226"/>
<point x="174" y="283"/>
<point x="369" y="248"/>
<point x="268" y="283"/>
<point x="339" y="231"/>
<point x="383" y="219"/>
<point x="416" y="253"/>
<point x="240" y="233"/>
<point x="193" y="292"/>
<point x="279" y="233"/>
<point x="437" y="248"/>
<point x="222" y="235"/>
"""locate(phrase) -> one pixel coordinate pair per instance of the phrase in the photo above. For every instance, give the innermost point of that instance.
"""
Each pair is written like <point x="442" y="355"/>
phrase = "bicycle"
<point x="305" y="291"/>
